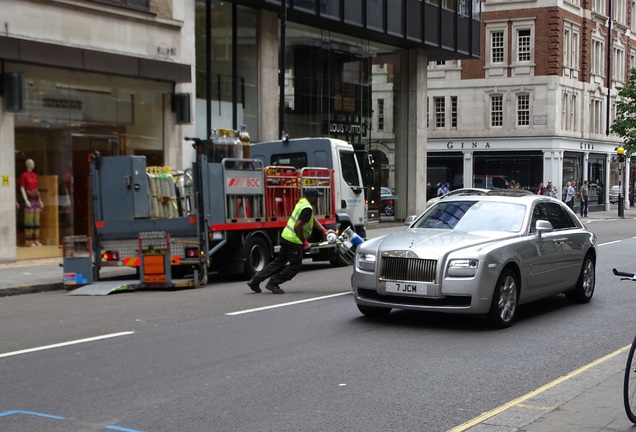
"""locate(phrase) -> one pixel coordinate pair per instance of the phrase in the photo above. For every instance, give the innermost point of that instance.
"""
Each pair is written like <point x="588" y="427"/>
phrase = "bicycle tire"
<point x="629" y="384"/>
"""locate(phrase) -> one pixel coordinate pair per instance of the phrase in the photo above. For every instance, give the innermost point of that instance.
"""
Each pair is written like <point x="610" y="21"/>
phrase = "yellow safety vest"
<point x="288" y="232"/>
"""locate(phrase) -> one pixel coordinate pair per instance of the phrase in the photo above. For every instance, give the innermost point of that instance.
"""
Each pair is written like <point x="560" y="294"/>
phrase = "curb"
<point x="7" y="292"/>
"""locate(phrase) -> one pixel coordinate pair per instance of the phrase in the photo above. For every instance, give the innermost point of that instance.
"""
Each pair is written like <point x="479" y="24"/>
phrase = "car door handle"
<point x="560" y="240"/>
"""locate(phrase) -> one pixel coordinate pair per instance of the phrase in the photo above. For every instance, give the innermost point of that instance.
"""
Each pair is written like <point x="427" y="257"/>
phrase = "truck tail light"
<point x="110" y="256"/>
<point x="192" y="252"/>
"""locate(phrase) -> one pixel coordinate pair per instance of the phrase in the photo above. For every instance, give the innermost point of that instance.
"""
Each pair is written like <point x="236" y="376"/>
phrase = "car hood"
<point x="435" y="241"/>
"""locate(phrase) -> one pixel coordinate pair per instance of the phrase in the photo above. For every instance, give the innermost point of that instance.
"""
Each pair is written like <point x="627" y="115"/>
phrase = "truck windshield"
<point x="349" y="168"/>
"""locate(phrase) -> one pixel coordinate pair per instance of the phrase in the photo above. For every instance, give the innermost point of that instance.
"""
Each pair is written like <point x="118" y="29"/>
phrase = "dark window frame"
<point x="138" y="5"/>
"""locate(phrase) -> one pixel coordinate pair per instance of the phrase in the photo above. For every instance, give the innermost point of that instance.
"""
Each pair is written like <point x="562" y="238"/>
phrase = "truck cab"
<point x="334" y="154"/>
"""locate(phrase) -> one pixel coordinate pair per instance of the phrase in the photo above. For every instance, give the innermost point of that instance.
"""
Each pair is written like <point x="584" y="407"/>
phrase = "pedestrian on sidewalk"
<point x="569" y="194"/>
<point x="550" y="190"/>
<point x="541" y="190"/>
<point x="584" y="194"/>
<point x="293" y="242"/>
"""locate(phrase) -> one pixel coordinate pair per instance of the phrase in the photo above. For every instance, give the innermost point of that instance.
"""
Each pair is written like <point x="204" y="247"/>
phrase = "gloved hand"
<point x="327" y="232"/>
<point x="330" y="236"/>
<point x="306" y="245"/>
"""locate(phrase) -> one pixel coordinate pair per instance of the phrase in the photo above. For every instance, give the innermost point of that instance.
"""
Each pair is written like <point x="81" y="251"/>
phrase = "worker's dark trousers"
<point x="278" y="269"/>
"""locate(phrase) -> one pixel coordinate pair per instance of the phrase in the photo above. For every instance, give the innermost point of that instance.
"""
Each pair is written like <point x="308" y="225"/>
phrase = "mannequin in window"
<point x="32" y="204"/>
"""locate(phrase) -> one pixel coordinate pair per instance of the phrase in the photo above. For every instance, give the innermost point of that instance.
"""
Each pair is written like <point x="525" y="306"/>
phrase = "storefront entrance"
<point x="67" y="116"/>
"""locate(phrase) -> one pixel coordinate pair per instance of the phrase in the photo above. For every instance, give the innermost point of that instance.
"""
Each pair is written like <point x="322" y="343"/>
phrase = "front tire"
<point x="584" y="289"/>
<point x="505" y="300"/>
<point x="374" y="312"/>
<point x="629" y="384"/>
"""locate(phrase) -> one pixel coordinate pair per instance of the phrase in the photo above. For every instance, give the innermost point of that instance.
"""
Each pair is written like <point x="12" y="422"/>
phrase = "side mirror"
<point x="409" y="220"/>
<point x="543" y="226"/>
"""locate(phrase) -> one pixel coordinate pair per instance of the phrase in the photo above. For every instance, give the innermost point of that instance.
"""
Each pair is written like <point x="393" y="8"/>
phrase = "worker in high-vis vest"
<point x="294" y="241"/>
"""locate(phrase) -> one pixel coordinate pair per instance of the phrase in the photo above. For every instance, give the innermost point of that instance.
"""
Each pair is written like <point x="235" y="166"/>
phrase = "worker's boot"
<point x="274" y="288"/>
<point x="254" y="286"/>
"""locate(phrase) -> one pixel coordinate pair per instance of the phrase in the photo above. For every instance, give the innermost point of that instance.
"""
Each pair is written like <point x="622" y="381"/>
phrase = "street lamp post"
<point x="620" y="151"/>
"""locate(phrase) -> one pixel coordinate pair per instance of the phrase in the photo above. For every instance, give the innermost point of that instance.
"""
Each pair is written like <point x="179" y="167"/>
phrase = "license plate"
<point x="407" y="288"/>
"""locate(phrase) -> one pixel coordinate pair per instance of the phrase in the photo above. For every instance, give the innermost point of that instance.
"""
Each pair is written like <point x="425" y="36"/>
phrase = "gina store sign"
<point x="452" y="145"/>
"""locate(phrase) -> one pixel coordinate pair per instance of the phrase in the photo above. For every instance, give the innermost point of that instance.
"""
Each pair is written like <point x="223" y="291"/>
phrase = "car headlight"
<point x="462" y="267"/>
<point x="365" y="261"/>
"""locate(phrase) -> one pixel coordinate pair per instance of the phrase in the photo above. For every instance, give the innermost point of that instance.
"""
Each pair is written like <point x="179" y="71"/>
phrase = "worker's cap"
<point x="312" y="192"/>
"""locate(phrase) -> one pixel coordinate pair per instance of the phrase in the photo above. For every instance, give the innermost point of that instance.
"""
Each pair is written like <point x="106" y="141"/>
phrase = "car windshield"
<point x="474" y="216"/>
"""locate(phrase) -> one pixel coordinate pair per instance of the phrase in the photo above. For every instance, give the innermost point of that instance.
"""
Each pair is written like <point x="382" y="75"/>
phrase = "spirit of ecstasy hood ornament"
<point x="412" y="243"/>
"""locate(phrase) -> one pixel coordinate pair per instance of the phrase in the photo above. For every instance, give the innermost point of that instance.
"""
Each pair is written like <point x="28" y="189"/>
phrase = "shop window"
<point x="67" y="116"/>
<point x="520" y="170"/>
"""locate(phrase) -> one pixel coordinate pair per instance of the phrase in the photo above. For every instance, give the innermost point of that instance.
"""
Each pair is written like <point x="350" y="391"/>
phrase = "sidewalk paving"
<point x="587" y="400"/>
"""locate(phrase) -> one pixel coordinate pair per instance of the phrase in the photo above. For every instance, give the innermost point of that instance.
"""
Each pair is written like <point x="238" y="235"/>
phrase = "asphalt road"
<point x="223" y="359"/>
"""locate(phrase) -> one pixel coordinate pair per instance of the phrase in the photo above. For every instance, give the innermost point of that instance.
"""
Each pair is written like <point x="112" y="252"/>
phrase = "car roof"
<point x="510" y="192"/>
<point x="501" y="196"/>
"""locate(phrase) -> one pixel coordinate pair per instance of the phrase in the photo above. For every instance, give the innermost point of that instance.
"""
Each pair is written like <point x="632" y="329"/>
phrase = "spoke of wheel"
<point x="508" y="299"/>
<point x="629" y="385"/>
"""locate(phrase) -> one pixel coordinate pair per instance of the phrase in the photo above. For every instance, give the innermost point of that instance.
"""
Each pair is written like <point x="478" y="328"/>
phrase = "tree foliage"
<point x="625" y="123"/>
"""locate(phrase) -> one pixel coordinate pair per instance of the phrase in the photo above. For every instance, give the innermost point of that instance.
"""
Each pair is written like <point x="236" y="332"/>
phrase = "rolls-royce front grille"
<point x="409" y="269"/>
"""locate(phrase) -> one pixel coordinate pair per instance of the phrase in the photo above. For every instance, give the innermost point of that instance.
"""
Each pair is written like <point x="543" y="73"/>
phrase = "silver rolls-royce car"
<point x="482" y="255"/>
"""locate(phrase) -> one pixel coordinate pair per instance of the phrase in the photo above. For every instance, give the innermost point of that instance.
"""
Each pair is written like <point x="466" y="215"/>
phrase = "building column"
<point x="416" y="133"/>
<point x="553" y="170"/>
<point x="468" y="170"/>
<point x="268" y="45"/>
<point x="8" y="184"/>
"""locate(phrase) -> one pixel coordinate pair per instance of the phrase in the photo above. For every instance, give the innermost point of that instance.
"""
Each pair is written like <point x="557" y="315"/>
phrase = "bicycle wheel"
<point x="629" y="384"/>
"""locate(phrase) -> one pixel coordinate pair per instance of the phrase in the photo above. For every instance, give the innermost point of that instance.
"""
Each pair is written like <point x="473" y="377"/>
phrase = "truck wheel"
<point x="257" y="256"/>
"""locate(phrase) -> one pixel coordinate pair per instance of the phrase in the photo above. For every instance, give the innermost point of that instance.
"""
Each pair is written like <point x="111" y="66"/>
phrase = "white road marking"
<point x="609" y="243"/>
<point x="287" y="304"/>
<point x="62" y="344"/>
